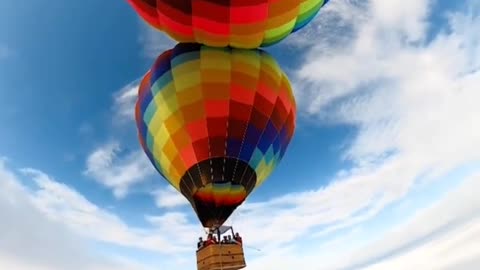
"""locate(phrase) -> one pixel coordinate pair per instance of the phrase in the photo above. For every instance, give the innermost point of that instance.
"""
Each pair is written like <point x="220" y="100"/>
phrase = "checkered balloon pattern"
<point x="235" y="23"/>
<point x="215" y="122"/>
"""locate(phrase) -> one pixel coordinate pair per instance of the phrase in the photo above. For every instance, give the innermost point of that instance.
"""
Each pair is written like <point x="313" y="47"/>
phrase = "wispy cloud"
<point x="124" y="102"/>
<point x="457" y="249"/>
<point x="119" y="171"/>
<point x="426" y="228"/>
<point x="154" y="41"/>
<point x="169" y="198"/>
<point x="173" y="232"/>
<point x="441" y="236"/>
<point x="33" y="241"/>
<point x="65" y="205"/>
<point x="348" y="201"/>
<point x="407" y="96"/>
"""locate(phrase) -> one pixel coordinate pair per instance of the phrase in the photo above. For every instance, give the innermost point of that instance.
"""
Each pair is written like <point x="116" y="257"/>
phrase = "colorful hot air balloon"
<point x="215" y="122"/>
<point x="221" y="23"/>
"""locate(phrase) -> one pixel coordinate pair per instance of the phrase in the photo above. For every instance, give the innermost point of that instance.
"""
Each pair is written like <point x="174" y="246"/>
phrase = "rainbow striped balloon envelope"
<point x="215" y="122"/>
<point x="234" y="23"/>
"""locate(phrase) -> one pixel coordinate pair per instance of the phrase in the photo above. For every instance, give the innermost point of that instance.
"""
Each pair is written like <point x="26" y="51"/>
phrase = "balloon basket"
<point x="221" y="257"/>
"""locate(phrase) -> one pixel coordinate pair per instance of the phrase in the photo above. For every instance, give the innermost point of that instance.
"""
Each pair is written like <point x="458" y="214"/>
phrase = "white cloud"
<point x="173" y="230"/>
<point x="67" y="206"/>
<point x="444" y="235"/>
<point x="154" y="41"/>
<point x="31" y="241"/>
<point x="440" y="228"/>
<point x="459" y="249"/>
<point x="169" y="198"/>
<point x="412" y="100"/>
<point x="124" y="102"/>
<point x="348" y="201"/>
<point x="372" y="41"/>
<point x="119" y="172"/>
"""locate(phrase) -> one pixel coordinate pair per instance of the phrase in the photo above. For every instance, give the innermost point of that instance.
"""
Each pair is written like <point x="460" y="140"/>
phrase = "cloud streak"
<point x="154" y="42"/>
<point x="65" y="205"/>
<point x="119" y="172"/>
<point x="169" y="198"/>
<point x="31" y="240"/>
<point x="430" y="231"/>
<point x="124" y="102"/>
<point x="441" y="236"/>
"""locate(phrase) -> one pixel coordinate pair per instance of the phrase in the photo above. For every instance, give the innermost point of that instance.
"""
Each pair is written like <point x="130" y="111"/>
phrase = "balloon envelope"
<point x="222" y="23"/>
<point x="215" y="122"/>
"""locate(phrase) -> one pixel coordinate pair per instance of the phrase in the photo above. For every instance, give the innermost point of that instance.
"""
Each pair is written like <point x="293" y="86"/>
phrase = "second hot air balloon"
<point x="235" y="23"/>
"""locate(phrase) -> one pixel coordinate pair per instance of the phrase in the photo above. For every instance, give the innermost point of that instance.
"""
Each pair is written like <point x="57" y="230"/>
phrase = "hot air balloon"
<point x="234" y="23"/>
<point x="215" y="122"/>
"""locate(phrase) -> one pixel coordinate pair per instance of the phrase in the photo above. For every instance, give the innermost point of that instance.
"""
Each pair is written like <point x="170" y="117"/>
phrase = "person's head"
<point x="237" y="235"/>
<point x="229" y="237"/>
<point x="225" y="237"/>
<point x="200" y="239"/>
<point x="210" y="236"/>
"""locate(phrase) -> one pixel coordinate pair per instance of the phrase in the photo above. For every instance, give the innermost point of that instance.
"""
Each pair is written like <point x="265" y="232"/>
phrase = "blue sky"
<point x="381" y="172"/>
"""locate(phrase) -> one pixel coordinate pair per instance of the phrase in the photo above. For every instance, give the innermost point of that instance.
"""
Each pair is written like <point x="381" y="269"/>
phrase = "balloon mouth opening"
<point x="218" y="175"/>
<point x="215" y="187"/>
